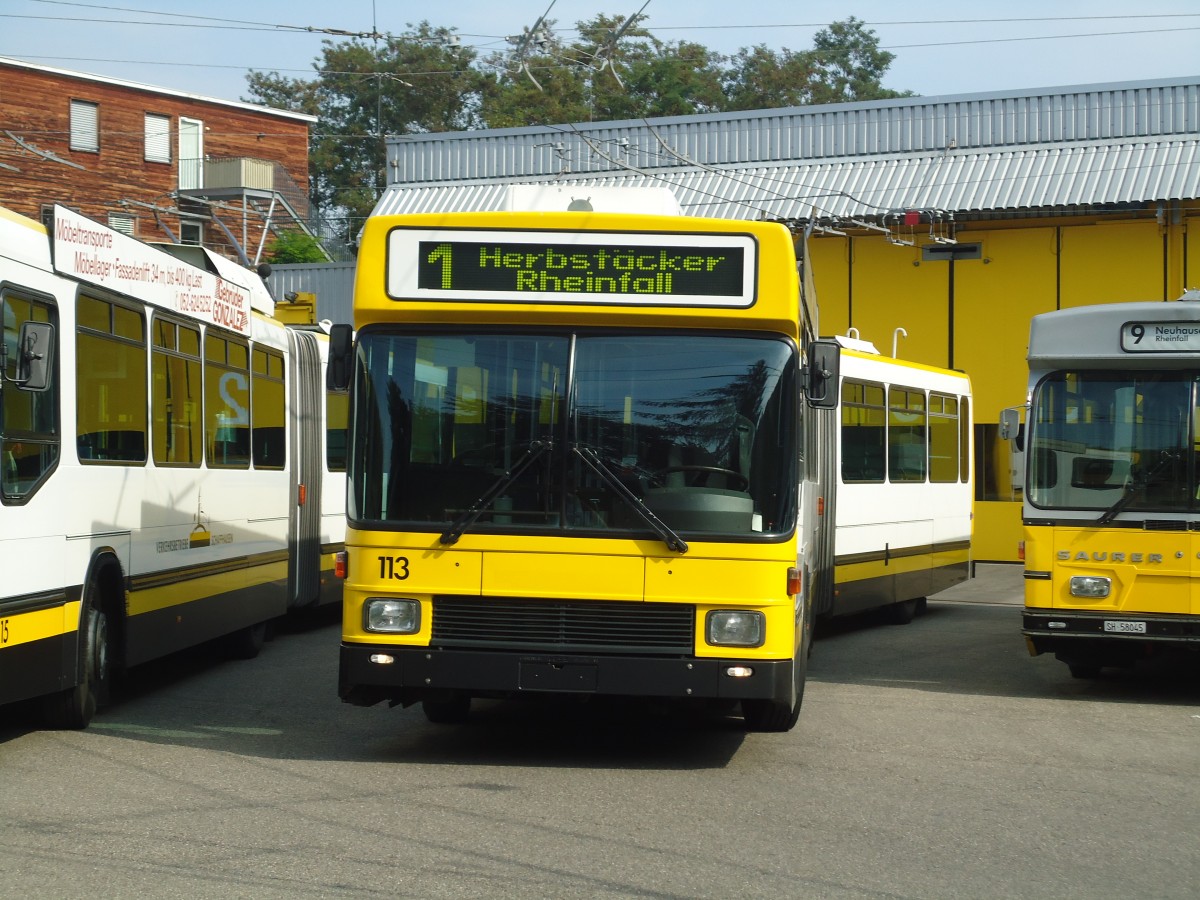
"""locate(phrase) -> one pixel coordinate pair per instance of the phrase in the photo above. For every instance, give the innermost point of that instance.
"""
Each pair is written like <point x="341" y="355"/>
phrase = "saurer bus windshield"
<point x="1112" y="441"/>
<point x="579" y="432"/>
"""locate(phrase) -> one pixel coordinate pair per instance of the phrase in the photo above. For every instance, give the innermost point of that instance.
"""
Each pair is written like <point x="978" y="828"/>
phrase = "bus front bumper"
<point x="1053" y="630"/>
<point x="417" y="673"/>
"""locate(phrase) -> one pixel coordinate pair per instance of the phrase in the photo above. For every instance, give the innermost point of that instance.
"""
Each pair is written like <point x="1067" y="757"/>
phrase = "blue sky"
<point x="966" y="47"/>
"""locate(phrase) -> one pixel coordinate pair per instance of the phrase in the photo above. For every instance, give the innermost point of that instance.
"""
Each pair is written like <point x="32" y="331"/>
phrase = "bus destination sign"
<point x="1161" y="337"/>
<point x="709" y="270"/>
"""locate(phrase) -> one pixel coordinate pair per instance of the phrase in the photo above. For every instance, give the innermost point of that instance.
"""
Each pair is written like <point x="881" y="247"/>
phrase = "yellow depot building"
<point x="937" y="225"/>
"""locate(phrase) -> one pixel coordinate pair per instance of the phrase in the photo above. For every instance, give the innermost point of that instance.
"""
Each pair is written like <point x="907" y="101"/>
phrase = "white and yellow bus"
<point x="1112" y="492"/>
<point x="168" y="473"/>
<point x="586" y="457"/>
<point x="903" y="498"/>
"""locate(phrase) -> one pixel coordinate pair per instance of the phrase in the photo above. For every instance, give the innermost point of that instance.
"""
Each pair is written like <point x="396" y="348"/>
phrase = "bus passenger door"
<point x="306" y="400"/>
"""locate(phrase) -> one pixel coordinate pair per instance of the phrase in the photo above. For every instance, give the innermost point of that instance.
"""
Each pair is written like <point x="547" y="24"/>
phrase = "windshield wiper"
<point x="668" y="537"/>
<point x="468" y="518"/>
<point x="1133" y="484"/>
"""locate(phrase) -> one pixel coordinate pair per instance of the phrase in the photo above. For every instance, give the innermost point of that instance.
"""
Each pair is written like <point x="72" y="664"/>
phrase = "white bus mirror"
<point x="35" y="356"/>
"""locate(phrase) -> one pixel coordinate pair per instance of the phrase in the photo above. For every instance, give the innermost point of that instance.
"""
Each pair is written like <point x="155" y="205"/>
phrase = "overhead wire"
<point x="199" y="21"/>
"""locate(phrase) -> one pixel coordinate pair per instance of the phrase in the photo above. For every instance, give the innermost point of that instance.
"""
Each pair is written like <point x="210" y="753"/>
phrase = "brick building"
<point x="159" y="164"/>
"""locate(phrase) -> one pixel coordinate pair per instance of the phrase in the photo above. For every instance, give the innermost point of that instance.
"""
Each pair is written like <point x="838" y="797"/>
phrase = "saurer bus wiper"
<point x="1168" y="457"/>
<point x="468" y="518"/>
<point x="669" y="537"/>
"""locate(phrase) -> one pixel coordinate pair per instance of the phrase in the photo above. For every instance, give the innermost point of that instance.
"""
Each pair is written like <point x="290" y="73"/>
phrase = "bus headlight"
<point x="735" y="628"/>
<point x="392" y="616"/>
<point x="1094" y="586"/>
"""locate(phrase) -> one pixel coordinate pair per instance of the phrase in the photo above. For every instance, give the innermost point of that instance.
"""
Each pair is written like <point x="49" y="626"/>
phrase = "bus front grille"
<point x="560" y="626"/>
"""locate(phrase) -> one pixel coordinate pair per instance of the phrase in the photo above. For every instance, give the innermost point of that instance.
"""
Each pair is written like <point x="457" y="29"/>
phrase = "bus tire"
<point x="245" y="643"/>
<point x="772" y="715"/>
<point x="452" y="710"/>
<point x="1085" y="670"/>
<point x="903" y="612"/>
<point x="75" y="707"/>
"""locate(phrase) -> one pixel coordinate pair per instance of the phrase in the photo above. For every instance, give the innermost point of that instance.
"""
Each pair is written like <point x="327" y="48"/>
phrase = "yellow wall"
<point x="887" y="291"/>
<point x="1112" y="264"/>
<point x="995" y="298"/>
<point x="1027" y="268"/>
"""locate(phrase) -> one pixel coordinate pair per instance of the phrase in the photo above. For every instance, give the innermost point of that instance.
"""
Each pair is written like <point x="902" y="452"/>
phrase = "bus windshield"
<point x="1114" y="441"/>
<point x="530" y="432"/>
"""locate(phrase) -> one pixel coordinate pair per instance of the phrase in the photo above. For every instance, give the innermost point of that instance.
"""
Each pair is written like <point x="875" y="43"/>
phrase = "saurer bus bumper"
<point x="1050" y="630"/>
<point x="417" y="672"/>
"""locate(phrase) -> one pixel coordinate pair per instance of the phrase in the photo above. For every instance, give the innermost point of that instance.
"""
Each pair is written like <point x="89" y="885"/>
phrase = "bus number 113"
<point x="393" y="567"/>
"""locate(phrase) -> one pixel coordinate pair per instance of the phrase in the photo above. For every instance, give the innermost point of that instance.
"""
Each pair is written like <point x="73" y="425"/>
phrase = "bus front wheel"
<point x="74" y="707"/>
<point x="774" y="715"/>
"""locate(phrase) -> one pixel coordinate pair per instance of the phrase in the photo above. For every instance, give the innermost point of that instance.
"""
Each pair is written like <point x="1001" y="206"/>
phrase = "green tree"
<point x="632" y="74"/>
<point x="760" y="78"/>
<point x="295" y="247"/>
<point x="366" y="90"/>
<point x="848" y="65"/>
<point x="539" y="80"/>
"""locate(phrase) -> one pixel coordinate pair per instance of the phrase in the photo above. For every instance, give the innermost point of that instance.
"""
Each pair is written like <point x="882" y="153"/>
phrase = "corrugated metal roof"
<point x="960" y="181"/>
<point x="1116" y="113"/>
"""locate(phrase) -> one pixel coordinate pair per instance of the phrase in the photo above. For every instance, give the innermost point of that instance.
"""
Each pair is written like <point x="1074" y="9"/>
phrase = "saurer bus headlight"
<point x="735" y="628"/>
<point x="392" y="616"/>
<point x="1090" y="586"/>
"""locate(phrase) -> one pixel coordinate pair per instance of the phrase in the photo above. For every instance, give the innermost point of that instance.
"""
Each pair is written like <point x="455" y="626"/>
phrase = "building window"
<point x="191" y="233"/>
<point x="158" y="138"/>
<point x="191" y="154"/>
<point x="85" y="126"/>
<point x="122" y="223"/>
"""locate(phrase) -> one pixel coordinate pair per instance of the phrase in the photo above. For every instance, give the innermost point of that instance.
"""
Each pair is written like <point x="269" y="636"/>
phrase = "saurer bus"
<point x="1112" y="493"/>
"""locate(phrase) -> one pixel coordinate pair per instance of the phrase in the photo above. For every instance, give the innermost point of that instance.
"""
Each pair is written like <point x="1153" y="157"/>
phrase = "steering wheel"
<point x="738" y="478"/>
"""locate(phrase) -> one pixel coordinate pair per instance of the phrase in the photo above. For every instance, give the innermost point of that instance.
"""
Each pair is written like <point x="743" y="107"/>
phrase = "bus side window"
<point x="29" y="439"/>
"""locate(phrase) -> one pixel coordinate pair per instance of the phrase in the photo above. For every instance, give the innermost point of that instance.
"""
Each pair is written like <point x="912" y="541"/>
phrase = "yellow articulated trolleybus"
<point x="582" y="461"/>
<point x="1112" y="496"/>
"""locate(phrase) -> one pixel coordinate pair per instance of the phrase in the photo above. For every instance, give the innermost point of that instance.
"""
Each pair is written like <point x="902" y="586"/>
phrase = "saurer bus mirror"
<point x="824" y="364"/>
<point x="1010" y="426"/>
<point x="341" y="347"/>
<point x="35" y="354"/>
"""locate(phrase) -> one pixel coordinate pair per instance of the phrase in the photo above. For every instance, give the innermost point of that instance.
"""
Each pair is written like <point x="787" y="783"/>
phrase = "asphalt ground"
<point x="998" y="584"/>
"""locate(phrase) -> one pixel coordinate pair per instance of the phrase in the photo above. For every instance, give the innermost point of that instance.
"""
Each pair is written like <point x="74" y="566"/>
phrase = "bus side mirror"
<point x="341" y="357"/>
<point x="822" y="375"/>
<point x="1010" y="426"/>
<point x="35" y="356"/>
